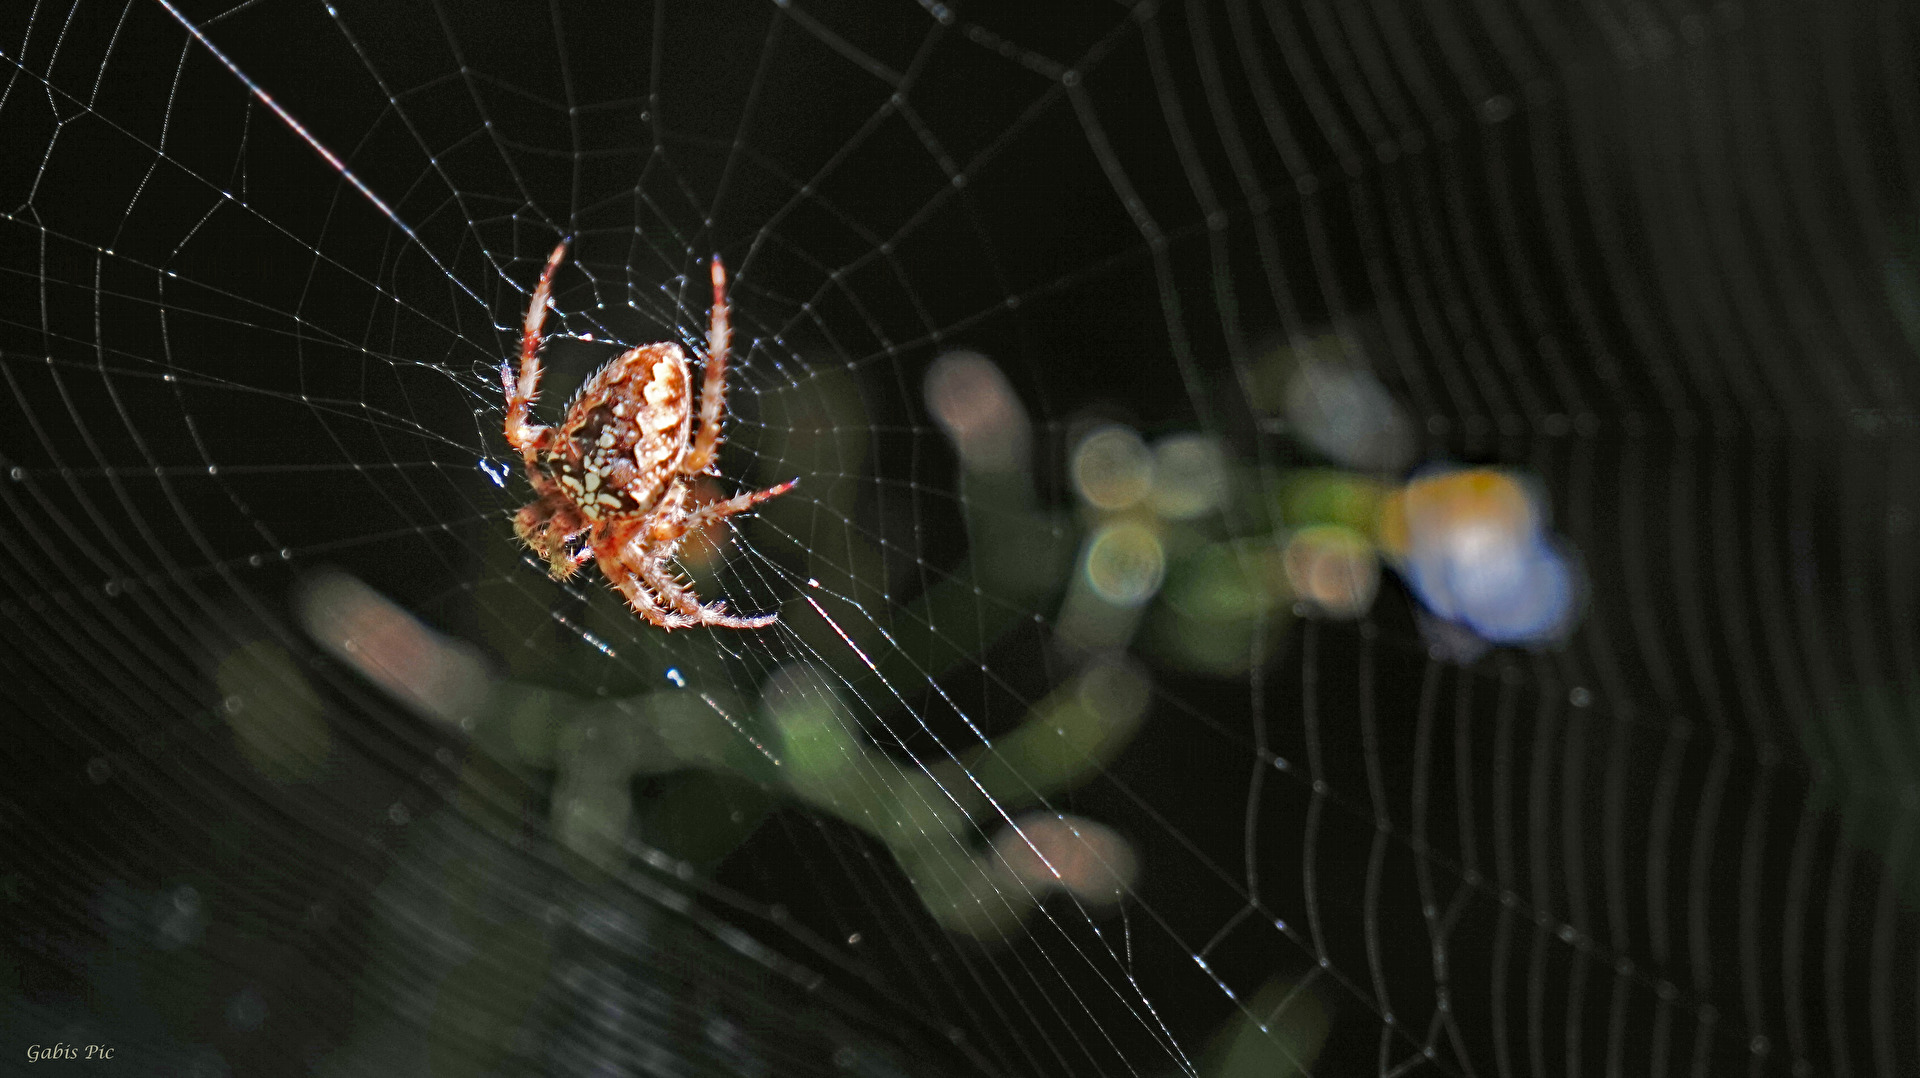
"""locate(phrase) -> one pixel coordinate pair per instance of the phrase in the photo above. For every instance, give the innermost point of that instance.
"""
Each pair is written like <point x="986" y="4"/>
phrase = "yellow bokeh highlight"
<point x="1334" y="568"/>
<point x="1478" y="496"/>
<point x="1112" y="468"/>
<point x="1125" y="563"/>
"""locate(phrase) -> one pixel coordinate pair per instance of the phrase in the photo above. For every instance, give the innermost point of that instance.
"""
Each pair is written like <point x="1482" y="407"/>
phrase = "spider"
<point x="617" y="467"/>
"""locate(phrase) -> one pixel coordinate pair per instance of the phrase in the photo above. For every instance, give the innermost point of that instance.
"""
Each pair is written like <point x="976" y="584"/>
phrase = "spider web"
<point x="263" y="261"/>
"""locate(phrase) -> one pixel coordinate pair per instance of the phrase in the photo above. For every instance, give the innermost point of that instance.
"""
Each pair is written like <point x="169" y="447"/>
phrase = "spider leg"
<point x="522" y="435"/>
<point x="654" y="570"/>
<point x="643" y="602"/>
<point x="713" y="382"/>
<point x="739" y="503"/>
<point x="714" y="614"/>
<point x="672" y="521"/>
<point x="677" y="595"/>
<point x="548" y="524"/>
<point x="649" y="552"/>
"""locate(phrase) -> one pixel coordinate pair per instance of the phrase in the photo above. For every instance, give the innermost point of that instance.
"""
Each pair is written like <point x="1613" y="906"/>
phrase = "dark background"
<point x="1660" y="256"/>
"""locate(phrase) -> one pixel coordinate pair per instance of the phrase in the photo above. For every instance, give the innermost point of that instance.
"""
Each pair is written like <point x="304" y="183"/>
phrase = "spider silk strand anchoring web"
<point x="1330" y="538"/>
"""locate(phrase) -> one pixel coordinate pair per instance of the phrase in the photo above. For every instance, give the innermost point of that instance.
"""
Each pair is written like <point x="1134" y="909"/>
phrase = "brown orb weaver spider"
<point x="617" y="467"/>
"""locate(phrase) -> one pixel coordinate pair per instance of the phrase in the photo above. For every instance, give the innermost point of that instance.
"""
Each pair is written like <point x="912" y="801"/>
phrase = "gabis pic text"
<point x="37" y="1053"/>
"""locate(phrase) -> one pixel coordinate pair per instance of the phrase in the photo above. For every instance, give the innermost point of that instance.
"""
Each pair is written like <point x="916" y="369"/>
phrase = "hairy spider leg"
<point x="664" y="538"/>
<point x="548" y="524"/>
<point x="715" y="614"/>
<point x="739" y="503"/>
<point x="655" y="595"/>
<point x="673" y="522"/>
<point x="713" y="383"/>
<point x="637" y="561"/>
<point x="529" y="438"/>
<point x="656" y="574"/>
<point x="653" y="547"/>
<point x="640" y="599"/>
<point x="635" y="564"/>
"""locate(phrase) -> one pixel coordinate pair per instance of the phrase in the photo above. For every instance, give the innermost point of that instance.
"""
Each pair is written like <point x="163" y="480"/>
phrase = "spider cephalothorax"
<point x="617" y="467"/>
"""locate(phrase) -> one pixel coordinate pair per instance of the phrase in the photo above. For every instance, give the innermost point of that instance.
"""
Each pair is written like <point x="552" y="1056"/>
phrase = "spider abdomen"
<point x="628" y="429"/>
